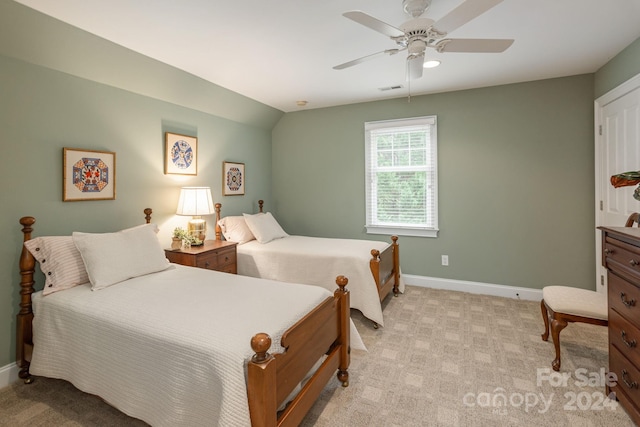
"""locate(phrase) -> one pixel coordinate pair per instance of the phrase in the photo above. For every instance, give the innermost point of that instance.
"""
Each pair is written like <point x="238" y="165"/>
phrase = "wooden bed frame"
<point x="385" y="265"/>
<point x="270" y="377"/>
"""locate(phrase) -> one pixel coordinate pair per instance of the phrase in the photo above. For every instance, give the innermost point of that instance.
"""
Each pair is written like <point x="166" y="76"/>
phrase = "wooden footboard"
<point x="385" y="267"/>
<point x="272" y="378"/>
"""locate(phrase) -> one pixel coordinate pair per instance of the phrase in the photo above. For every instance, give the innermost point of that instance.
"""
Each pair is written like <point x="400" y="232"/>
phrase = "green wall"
<point x="621" y="68"/>
<point x="516" y="180"/>
<point x="46" y="105"/>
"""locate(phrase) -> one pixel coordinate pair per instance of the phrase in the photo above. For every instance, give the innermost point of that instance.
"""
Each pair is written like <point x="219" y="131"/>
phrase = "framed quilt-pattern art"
<point x="181" y="154"/>
<point x="233" y="179"/>
<point x="88" y="175"/>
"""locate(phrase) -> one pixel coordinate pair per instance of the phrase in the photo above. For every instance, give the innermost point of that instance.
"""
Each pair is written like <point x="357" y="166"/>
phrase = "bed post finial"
<point x="218" y="208"/>
<point x="261" y="205"/>
<point x="261" y="383"/>
<point x="24" y="337"/>
<point x="147" y="214"/>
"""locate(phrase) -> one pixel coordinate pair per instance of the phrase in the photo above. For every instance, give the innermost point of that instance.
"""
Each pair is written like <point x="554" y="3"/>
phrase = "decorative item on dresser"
<point x="265" y="250"/>
<point x="206" y="372"/>
<point x="216" y="255"/>
<point x="621" y="257"/>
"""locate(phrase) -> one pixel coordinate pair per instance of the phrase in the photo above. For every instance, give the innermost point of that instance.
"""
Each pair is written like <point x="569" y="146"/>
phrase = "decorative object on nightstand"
<point x="181" y="237"/>
<point x="196" y="202"/>
<point x="219" y="255"/>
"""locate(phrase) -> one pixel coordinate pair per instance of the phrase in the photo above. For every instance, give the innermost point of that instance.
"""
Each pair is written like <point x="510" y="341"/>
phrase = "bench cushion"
<point x="575" y="301"/>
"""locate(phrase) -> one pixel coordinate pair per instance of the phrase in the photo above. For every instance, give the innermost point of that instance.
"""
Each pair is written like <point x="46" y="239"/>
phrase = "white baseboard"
<point x="474" y="287"/>
<point x="8" y="375"/>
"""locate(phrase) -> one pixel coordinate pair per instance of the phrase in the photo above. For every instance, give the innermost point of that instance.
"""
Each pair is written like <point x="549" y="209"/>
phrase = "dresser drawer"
<point x="624" y="336"/>
<point x="624" y="297"/>
<point x="622" y="253"/>
<point x="628" y="376"/>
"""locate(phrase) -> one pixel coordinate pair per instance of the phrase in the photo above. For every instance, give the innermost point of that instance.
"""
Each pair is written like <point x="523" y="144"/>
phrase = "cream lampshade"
<point x="196" y="202"/>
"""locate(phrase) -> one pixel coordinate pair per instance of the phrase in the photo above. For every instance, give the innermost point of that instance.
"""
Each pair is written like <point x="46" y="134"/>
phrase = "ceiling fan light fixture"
<point x="431" y="63"/>
<point x="415" y="8"/>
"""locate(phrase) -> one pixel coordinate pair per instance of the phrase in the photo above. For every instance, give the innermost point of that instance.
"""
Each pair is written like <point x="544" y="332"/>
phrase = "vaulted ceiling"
<point x="279" y="52"/>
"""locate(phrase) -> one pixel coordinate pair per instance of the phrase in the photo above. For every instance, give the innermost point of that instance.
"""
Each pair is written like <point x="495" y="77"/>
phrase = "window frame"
<point x="375" y="227"/>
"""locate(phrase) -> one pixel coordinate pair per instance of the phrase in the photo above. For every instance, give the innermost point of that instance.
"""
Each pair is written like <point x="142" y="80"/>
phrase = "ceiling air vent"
<point x="383" y="89"/>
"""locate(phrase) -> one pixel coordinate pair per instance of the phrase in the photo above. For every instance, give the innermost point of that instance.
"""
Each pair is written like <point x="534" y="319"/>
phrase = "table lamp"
<point x="196" y="201"/>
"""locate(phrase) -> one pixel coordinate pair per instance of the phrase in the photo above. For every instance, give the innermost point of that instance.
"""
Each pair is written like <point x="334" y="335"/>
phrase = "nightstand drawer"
<point x="217" y="260"/>
<point x="227" y="257"/>
<point x="208" y="260"/>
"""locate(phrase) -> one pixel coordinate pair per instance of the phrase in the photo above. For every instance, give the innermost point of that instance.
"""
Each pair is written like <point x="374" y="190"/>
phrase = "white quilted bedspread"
<point x="317" y="261"/>
<point x="170" y="347"/>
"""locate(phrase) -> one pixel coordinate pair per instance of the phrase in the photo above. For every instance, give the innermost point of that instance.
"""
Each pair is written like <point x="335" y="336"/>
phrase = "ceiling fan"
<point x="420" y="33"/>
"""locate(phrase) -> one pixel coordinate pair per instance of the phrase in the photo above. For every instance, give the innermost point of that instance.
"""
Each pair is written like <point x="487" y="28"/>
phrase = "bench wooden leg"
<point x="545" y="317"/>
<point x="557" y="325"/>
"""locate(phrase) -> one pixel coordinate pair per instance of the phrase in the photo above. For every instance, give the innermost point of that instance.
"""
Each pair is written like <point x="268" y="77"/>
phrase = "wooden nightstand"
<point x="216" y="255"/>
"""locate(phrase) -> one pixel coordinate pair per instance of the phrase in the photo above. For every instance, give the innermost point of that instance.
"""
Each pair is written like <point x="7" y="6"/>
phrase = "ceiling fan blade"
<point x="464" y="13"/>
<point x="473" y="45"/>
<point x="414" y="66"/>
<point x="366" y="58"/>
<point x="373" y="23"/>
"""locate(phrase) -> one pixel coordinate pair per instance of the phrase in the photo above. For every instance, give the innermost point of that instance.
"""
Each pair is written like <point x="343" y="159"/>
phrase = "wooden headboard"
<point x="218" y="209"/>
<point x="24" y="331"/>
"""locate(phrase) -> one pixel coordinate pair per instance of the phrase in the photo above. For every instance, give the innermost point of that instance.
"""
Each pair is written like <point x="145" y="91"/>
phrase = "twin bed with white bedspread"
<point x="172" y="347"/>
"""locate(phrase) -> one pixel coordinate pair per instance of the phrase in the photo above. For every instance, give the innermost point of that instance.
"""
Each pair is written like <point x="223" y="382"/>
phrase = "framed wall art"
<point x="88" y="175"/>
<point x="233" y="179"/>
<point x="181" y="154"/>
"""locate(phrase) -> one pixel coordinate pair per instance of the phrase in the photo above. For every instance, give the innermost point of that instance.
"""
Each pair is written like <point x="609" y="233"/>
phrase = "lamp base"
<point x="198" y="229"/>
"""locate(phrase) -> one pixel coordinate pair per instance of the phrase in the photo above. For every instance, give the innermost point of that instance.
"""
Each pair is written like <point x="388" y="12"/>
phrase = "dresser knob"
<point x="206" y="264"/>
<point x="629" y="344"/>
<point x="629" y="303"/>
<point x="608" y="251"/>
<point x="625" y="376"/>
<point x="633" y="262"/>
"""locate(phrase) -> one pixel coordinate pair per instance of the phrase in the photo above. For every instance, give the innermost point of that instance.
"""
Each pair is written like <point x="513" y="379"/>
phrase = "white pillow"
<point x="113" y="257"/>
<point x="234" y="229"/>
<point x="60" y="262"/>
<point x="264" y="227"/>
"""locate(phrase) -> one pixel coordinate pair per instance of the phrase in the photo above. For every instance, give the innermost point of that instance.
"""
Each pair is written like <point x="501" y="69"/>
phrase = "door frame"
<point x="600" y="181"/>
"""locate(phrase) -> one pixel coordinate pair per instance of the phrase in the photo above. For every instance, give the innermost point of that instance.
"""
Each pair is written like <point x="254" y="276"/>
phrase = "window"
<point x="401" y="177"/>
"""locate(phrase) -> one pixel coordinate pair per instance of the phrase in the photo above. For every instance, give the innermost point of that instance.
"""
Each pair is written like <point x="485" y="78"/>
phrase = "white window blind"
<point x="401" y="177"/>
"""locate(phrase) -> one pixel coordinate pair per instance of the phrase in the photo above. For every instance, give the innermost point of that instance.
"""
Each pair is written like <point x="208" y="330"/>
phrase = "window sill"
<point x="401" y="231"/>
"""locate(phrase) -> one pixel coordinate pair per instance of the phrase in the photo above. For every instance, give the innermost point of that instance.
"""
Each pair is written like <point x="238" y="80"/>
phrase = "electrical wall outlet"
<point x="445" y="259"/>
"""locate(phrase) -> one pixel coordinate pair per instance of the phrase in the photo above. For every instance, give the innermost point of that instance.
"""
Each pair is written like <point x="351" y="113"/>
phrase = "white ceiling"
<point x="282" y="51"/>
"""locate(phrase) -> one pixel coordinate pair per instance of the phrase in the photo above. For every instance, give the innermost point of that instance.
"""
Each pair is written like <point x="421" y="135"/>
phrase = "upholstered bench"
<point x="564" y="304"/>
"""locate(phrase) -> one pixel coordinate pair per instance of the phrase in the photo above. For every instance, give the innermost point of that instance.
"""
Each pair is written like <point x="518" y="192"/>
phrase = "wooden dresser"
<point x="621" y="257"/>
<point x="217" y="255"/>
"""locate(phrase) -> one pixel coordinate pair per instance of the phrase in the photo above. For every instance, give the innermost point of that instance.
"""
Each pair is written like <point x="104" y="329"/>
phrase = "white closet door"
<point x="617" y="151"/>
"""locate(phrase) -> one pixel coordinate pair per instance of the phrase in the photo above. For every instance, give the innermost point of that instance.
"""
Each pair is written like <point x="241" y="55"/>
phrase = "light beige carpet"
<point x="443" y="359"/>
